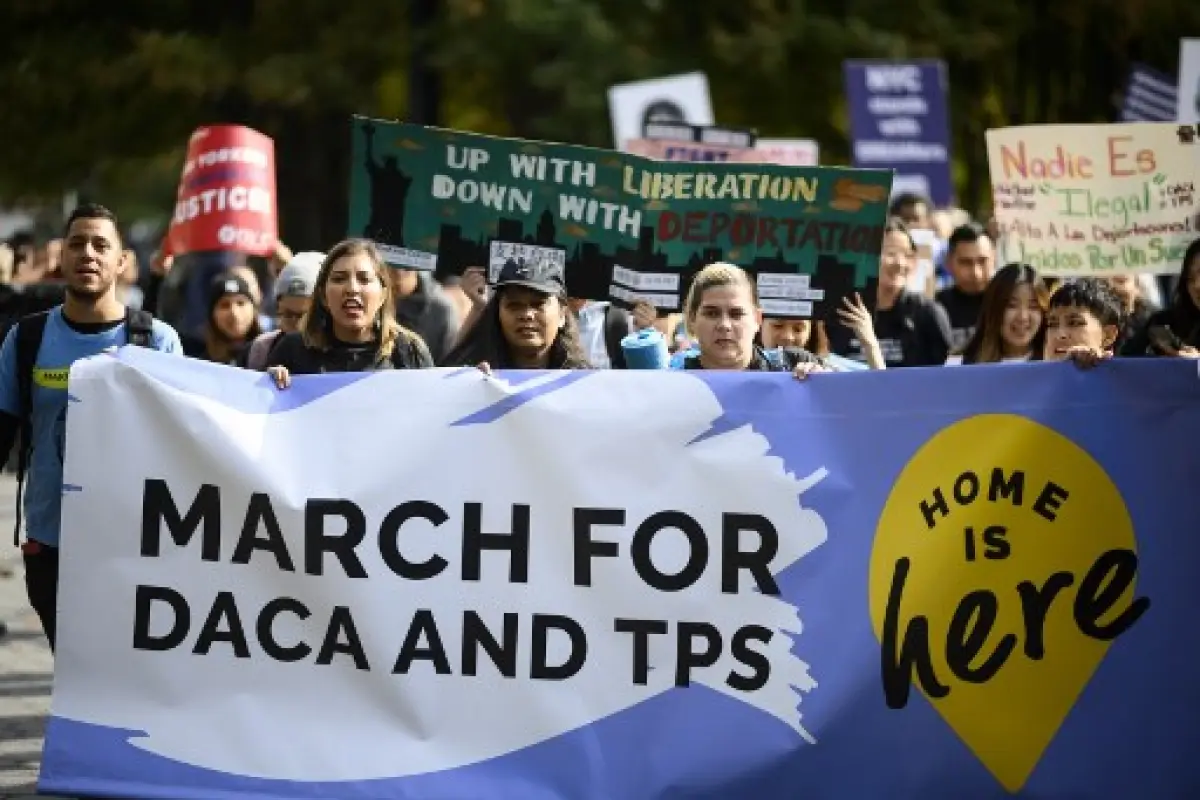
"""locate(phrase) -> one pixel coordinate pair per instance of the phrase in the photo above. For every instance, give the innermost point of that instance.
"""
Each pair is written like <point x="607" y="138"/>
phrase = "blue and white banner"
<point x="900" y="119"/>
<point x="1150" y="96"/>
<point x="971" y="583"/>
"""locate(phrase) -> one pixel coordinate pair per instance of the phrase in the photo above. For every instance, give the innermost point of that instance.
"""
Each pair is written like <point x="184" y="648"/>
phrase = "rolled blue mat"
<point x="645" y="350"/>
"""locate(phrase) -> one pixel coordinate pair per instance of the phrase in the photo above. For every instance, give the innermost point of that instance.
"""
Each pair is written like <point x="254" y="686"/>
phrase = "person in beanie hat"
<point x="232" y="322"/>
<point x="293" y="296"/>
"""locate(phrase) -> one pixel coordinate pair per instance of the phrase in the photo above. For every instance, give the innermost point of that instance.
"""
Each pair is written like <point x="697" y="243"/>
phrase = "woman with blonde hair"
<point x="351" y="325"/>
<point x="724" y="315"/>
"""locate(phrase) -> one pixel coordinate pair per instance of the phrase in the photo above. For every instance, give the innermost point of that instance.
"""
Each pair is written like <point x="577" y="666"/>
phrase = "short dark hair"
<point x="92" y="211"/>
<point x="906" y="199"/>
<point x="965" y="234"/>
<point x="1092" y="294"/>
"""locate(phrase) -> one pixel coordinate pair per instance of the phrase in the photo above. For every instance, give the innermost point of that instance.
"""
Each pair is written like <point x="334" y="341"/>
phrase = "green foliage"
<point x="106" y="99"/>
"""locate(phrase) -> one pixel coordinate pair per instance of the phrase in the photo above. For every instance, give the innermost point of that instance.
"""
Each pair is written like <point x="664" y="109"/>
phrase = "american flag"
<point x="1150" y="96"/>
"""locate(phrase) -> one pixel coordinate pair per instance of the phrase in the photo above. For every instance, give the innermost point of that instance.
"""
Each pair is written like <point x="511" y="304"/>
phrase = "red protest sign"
<point x="226" y="198"/>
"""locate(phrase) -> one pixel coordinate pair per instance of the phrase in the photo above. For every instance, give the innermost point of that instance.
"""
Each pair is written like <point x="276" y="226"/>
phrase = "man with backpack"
<point x="35" y="361"/>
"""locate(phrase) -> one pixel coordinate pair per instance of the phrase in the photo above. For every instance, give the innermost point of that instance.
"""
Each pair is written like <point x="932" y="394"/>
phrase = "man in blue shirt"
<point x="90" y="321"/>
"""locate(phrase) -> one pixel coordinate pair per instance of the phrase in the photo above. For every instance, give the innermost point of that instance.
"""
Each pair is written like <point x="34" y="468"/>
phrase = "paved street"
<point x="25" y="668"/>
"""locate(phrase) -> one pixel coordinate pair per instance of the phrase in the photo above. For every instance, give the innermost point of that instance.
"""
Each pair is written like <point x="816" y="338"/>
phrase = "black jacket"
<point x="300" y="359"/>
<point x="782" y="359"/>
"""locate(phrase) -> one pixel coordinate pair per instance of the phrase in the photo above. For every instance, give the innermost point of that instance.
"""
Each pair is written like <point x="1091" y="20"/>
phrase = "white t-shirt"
<point x="591" y="333"/>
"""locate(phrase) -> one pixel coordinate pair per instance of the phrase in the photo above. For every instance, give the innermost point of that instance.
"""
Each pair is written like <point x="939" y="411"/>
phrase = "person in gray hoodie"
<point x="422" y="307"/>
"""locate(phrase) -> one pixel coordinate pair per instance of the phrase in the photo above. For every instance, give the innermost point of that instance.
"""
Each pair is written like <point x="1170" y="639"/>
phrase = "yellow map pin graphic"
<point x="1003" y="567"/>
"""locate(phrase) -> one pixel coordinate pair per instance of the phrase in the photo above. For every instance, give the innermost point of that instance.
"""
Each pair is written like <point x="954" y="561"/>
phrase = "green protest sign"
<point x="625" y="227"/>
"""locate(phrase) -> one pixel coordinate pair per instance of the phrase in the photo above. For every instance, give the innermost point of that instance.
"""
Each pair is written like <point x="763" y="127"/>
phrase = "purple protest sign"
<point x="899" y="120"/>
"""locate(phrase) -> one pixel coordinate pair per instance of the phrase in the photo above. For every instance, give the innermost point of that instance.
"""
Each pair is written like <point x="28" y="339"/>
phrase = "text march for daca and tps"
<point x="971" y="597"/>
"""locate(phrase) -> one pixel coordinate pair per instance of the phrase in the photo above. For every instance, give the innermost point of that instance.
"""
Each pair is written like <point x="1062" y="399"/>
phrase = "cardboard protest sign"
<point x="1096" y="199"/>
<point x="226" y="198"/>
<point x="627" y="228"/>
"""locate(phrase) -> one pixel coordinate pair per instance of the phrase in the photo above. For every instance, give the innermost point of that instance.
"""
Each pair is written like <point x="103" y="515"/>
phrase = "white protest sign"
<point x="1096" y="199"/>
<point x="377" y="575"/>
<point x="500" y="253"/>
<point x="675" y="98"/>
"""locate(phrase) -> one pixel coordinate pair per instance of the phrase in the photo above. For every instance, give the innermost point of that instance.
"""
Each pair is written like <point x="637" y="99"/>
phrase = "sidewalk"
<point x="25" y="668"/>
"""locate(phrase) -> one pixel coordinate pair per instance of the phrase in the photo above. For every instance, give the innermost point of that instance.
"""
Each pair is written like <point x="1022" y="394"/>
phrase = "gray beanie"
<point x="299" y="277"/>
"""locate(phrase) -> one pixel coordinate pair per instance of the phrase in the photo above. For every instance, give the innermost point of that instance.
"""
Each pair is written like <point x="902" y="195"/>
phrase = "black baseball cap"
<point x="539" y="275"/>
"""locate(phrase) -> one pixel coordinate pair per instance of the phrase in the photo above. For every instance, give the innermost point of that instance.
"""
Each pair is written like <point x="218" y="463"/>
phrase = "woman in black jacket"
<point x="1175" y="330"/>
<point x="351" y="325"/>
<point x="526" y="324"/>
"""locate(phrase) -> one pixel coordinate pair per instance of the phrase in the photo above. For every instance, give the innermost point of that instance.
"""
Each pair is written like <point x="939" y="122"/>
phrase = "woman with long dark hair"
<point x="1175" y="330"/>
<point x="526" y="324"/>
<point x="907" y="329"/>
<point x="232" y="323"/>
<point x="1012" y="320"/>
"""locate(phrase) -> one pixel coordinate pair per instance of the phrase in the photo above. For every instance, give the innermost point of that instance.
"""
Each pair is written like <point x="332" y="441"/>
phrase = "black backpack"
<point x="139" y="326"/>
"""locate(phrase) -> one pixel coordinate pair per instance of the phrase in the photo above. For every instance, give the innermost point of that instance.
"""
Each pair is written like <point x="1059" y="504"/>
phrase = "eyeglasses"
<point x="289" y="316"/>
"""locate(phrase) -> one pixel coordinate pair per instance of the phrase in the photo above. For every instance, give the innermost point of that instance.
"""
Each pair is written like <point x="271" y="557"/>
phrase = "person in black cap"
<point x="232" y="323"/>
<point x="526" y="323"/>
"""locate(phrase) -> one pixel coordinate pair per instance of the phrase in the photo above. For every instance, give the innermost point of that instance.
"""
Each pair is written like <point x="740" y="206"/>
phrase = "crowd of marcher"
<point x="941" y="297"/>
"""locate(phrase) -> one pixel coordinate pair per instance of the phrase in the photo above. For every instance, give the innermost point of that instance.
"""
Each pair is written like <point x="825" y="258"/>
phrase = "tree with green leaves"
<point x="104" y="102"/>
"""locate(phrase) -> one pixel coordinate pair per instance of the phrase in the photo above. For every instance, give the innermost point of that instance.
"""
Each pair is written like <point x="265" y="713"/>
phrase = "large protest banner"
<point x="635" y="585"/>
<point x="1096" y="199"/>
<point x="626" y="227"/>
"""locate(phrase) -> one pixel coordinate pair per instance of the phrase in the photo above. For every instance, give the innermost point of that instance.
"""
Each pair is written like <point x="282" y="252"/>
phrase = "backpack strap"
<point x="616" y="328"/>
<point x="29" y="332"/>
<point x="139" y="327"/>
